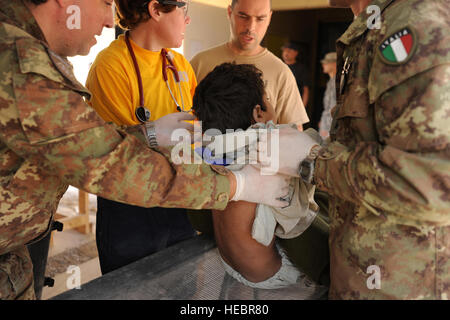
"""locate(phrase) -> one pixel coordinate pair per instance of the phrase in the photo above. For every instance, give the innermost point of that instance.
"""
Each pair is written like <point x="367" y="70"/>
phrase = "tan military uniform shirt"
<point x="388" y="166"/>
<point x="50" y="138"/>
<point x="280" y="84"/>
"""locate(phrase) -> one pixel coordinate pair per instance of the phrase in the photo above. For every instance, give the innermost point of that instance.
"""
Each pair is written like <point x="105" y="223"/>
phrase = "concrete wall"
<point x="209" y="27"/>
<point x="276" y="4"/>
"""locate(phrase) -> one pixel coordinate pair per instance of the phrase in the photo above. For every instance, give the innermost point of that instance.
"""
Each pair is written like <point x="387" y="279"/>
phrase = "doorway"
<point x="317" y="31"/>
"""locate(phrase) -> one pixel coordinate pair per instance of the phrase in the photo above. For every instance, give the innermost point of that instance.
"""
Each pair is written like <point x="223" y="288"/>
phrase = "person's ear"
<point x="259" y="114"/>
<point x="63" y="3"/>
<point x="269" y="18"/>
<point x="229" y="11"/>
<point x="154" y="13"/>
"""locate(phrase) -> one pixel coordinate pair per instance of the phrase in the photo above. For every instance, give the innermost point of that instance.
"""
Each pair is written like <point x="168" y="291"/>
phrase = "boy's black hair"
<point x="226" y="97"/>
<point x="37" y="2"/>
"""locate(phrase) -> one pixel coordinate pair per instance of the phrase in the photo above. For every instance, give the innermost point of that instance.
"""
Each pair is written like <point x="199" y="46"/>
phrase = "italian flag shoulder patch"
<point x="399" y="47"/>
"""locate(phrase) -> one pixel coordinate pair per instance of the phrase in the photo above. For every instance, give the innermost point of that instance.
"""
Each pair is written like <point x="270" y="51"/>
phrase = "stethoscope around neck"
<point x="141" y="112"/>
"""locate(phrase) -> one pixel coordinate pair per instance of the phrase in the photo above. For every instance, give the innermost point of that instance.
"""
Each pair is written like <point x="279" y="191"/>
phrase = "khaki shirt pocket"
<point x="355" y="117"/>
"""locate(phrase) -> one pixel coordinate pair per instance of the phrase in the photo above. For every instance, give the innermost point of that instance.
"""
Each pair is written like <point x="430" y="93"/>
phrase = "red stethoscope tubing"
<point x="170" y="66"/>
<point x="136" y="67"/>
<point x="167" y="64"/>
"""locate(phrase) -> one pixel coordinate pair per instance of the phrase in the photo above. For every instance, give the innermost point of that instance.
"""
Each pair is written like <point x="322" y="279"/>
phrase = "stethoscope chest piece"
<point x="142" y="114"/>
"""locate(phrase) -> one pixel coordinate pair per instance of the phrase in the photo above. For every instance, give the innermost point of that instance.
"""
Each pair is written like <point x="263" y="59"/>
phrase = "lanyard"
<point x="141" y="112"/>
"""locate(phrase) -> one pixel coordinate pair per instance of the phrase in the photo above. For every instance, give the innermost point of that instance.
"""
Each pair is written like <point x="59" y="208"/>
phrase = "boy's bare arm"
<point x="232" y="229"/>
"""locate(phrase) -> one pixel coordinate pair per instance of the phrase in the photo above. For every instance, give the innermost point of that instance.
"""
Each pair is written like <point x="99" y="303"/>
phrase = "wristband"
<point x="240" y="183"/>
<point x="150" y="134"/>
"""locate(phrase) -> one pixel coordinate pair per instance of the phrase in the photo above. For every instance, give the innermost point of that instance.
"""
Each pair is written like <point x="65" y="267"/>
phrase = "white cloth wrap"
<point x="288" y="222"/>
<point x="287" y="275"/>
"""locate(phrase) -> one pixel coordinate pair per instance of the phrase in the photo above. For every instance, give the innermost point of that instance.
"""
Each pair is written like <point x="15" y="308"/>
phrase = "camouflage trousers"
<point x="16" y="275"/>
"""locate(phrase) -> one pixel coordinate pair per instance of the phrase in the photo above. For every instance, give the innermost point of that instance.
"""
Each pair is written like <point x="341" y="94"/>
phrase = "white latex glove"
<point x="252" y="186"/>
<point x="165" y="126"/>
<point x="293" y="147"/>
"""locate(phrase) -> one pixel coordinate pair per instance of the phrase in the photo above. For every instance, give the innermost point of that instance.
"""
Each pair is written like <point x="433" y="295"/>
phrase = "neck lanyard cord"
<point x="171" y="66"/>
<point x="136" y="67"/>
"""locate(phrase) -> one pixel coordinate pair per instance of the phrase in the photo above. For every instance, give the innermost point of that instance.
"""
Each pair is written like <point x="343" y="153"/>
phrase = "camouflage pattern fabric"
<point x="388" y="166"/>
<point x="50" y="138"/>
<point x="329" y="102"/>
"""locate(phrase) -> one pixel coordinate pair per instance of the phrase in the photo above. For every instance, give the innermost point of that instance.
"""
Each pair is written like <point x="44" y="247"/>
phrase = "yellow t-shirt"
<point x="112" y="80"/>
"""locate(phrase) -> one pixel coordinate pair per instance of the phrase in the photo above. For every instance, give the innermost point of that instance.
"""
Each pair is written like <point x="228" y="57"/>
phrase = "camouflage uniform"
<point x="50" y="138"/>
<point x="388" y="167"/>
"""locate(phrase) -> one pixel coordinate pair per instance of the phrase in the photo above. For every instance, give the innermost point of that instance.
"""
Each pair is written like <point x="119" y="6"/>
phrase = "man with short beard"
<point x="249" y="20"/>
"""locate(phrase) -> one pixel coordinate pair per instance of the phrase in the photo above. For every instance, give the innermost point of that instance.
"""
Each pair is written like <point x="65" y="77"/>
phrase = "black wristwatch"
<point x="306" y="167"/>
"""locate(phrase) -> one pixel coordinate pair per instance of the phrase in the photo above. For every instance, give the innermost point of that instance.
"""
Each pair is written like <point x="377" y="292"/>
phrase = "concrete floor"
<point x="69" y="239"/>
<point x="67" y="242"/>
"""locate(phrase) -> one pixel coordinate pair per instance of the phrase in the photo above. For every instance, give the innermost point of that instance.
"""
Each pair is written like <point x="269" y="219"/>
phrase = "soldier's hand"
<point x="252" y="186"/>
<point x="165" y="128"/>
<point x="292" y="148"/>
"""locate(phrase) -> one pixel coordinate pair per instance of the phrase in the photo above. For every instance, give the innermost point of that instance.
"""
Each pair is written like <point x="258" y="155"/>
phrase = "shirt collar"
<point x="17" y="13"/>
<point x="359" y="25"/>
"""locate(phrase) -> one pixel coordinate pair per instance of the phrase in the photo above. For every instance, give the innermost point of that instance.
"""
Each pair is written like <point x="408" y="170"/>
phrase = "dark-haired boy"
<point x="233" y="97"/>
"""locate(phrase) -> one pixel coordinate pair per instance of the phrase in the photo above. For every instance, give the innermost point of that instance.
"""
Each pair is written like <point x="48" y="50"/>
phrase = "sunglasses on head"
<point x="179" y="4"/>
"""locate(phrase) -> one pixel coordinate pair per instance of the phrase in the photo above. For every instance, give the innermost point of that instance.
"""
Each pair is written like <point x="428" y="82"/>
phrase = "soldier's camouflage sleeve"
<point x="50" y="138"/>
<point x="104" y="161"/>
<point x="406" y="173"/>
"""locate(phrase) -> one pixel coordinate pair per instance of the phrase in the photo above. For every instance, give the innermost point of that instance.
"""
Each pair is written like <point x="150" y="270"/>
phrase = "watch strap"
<point x="150" y="134"/>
